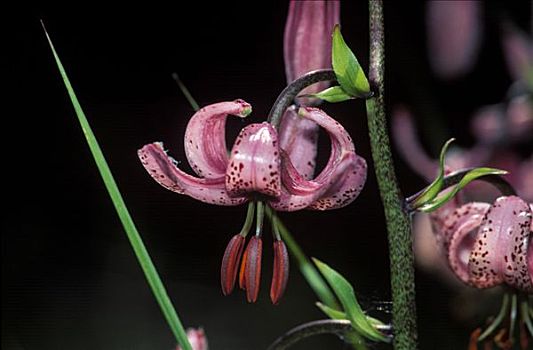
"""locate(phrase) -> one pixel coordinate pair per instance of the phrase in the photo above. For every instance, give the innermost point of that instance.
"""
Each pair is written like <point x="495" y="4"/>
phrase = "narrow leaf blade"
<point x="346" y="295"/>
<point x="127" y="222"/>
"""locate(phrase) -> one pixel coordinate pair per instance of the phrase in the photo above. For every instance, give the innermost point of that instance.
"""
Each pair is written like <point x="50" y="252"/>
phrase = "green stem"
<point x="185" y="92"/>
<point x="133" y="235"/>
<point x="249" y="219"/>
<point x="308" y="270"/>
<point x="504" y="309"/>
<point x="397" y="218"/>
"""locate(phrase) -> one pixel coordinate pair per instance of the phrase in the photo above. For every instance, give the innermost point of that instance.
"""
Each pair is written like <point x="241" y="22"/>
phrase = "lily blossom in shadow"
<point x="259" y="171"/>
<point x="490" y="244"/>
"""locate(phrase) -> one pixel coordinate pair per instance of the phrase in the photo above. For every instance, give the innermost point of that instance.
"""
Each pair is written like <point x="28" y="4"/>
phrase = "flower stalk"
<point x="397" y="217"/>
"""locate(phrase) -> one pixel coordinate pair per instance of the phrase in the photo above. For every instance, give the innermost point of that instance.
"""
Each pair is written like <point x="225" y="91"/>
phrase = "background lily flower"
<point x="454" y="34"/>
<point x="487" y="245"/>
<point x="197" y="339"/>
<point x="256" y="164"/>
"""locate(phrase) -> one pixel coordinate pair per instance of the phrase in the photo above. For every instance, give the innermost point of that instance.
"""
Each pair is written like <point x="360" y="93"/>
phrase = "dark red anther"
<point x="230" y="263"/>
<point x="281" y="272"/>
<point x="252" y="268"/>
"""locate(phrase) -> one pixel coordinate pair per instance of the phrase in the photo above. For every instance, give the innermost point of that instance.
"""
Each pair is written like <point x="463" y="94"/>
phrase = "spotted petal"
<point x="164" y="171"/>
<point x="340" y="181"/>
<point x="298" y="138"/>
<point x="254" y="162"/>
<point x="500" y="251"/>
<point x="205" y="137"/>
<point x="460" y="235"/>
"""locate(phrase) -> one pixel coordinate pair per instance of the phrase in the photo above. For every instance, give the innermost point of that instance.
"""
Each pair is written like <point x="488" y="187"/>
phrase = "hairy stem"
<point x="398" y="224"/>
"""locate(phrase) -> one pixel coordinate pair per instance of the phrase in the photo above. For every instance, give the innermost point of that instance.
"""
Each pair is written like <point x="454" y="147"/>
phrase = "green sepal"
<point x="333" y="94"/>
<point x="435" y="187"/>
<point x="469" y="177"/>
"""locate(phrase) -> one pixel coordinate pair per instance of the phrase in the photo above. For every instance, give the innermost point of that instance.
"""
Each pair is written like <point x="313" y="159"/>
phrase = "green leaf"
<point x="434" y="188"/>
<point x="333" y="94"/>
<point x="469" y="177"/>
<point x="346" y="295"/>
<point x="134" y="237"/>
<point x="349" y="73"/>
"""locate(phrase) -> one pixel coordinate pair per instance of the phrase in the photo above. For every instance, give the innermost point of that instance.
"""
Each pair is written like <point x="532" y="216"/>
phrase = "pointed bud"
<point x="281" y="272"/>
<point x="307" y="41"/>
<point x="252" y="268"/>
<point x="230" y="261"/>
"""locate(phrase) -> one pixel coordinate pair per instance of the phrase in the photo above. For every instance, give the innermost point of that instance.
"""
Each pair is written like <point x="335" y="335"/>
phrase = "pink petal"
<point x="488" y="124"/>
<point x="163" y="169"/>
<point x="307" y="42"/>
<point x="298" y="138"/>
<point x="454" y="31"/>
<point x="254" y="162"/>
<point x="518" y="51"/>
<point x="520" y="118"/>
<point x="205" y="137"/>
<point x="457" y="218"/>
<point x="407" y="142"/>
<point x="462" y="240"/>
<point x="500" y="251"/>
<point x="524" y="184"/>
<point x="340" y="181"/>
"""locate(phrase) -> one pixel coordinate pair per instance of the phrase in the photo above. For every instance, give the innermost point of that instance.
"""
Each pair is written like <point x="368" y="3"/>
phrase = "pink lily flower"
<point x="197" y="339"/>
<point x="256" y="164"/>
<point x="487" y="245"/>
<point x="258" y="168"/>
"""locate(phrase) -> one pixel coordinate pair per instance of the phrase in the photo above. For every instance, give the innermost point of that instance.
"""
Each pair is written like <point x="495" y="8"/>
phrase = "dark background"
<point x="69" y="277"/>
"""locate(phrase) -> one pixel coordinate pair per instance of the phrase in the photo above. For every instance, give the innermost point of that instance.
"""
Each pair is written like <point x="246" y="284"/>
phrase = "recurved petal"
<point x="254" y="162"/>
<point x="346" y="186"/>
<point x="205" y="137"/>
<point x="307" y="41"/>
<point x="338" y="183"/>
<point x="461" y="242"/>
<point x="164" y="171"/>
<point x="447" y="228"/>
<point x="407" y="142"/>
<point x="298" y="138"/>
<point x="500" y="251"/>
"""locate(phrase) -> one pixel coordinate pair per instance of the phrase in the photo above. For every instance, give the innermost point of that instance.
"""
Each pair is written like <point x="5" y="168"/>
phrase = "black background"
<point x="69" y="277"/>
